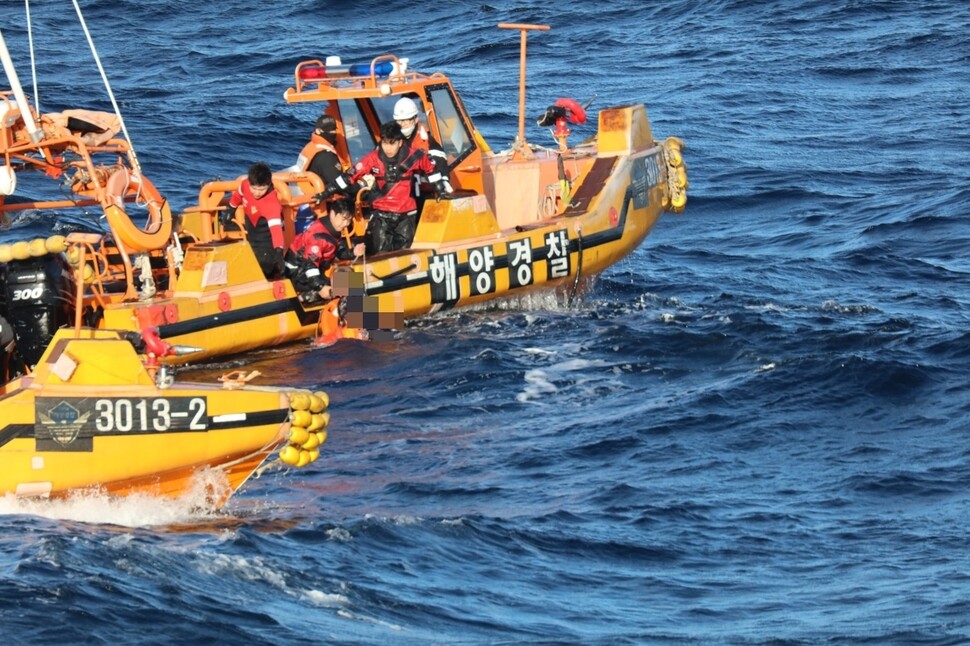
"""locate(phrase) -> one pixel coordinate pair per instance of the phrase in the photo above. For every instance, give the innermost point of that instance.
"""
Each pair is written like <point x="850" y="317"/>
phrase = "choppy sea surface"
<point x="755" y="429"/>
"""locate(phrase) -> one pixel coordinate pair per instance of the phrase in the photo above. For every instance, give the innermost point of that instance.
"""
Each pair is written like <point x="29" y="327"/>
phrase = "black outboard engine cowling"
<point x="32" y="303"/>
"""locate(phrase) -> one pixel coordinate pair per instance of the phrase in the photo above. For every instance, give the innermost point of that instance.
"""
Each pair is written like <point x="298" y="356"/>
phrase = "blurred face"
<point x="391" y="148"/>
<point x="259" y="190"/>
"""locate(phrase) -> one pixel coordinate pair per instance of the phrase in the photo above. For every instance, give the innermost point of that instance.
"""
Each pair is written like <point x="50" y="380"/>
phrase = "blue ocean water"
<point x="753" y="430"/>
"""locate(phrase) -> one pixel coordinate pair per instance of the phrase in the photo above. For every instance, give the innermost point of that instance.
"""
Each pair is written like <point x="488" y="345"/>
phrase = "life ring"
<point x="575" y="113"/>
<point x="157" y="230"/>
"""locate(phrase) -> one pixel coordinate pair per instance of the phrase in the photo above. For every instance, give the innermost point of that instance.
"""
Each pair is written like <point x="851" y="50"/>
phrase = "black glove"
<point x="6" y="333"/>
<point x="443" y="187"/>
<point x="322" y="195"/>
<point x="227" y="217"/>
<point x="310" y="297"/>
<point x="291" y="263"/>
<point x="278" y="264"/>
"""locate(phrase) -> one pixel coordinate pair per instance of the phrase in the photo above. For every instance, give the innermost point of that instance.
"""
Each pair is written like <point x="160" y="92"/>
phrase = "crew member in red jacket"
<point x="312" y="253"/>
<point x="391" y="167"/>
<point x="263" y="218"/>
<point x="416" y="135"/>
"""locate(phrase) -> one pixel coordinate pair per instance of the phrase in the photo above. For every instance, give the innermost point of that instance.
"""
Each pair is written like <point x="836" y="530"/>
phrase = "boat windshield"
<point x="360" y="140"/>
<point x="450" y="128"/>
<point x="455" y="139"/>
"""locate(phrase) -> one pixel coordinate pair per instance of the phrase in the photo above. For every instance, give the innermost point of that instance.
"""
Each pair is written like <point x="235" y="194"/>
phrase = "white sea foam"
<point x="403" y="519"/>
<point x="835" y="306"/>
<point x="537" y="385"/>
<point x="253" y="568"/>
<point x="325" y="599"/>
<point x="95" y="506"/>
<point x="767" y="307"/>
<point x="540" y="351"/>
<point x="339" y="534"/>
<point x="349" y="615"/>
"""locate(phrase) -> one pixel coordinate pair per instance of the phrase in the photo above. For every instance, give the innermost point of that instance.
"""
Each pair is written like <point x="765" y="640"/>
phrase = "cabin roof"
<point x="386" y="75"/>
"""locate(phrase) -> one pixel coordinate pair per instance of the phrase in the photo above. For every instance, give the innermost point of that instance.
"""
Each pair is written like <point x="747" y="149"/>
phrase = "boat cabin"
<point x="362" y="97"/>
<point x="496" y="193"/>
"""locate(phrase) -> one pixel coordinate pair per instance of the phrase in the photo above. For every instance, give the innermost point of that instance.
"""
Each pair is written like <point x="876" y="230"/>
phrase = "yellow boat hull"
<point x="498" y="244"/>
<point x="221" y="305"/>
<point x="92" y="416"/>
<point x="462" y="257"/>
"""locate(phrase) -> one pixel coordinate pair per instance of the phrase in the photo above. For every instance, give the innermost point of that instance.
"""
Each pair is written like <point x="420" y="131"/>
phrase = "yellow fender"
<point x="675" y="198"/>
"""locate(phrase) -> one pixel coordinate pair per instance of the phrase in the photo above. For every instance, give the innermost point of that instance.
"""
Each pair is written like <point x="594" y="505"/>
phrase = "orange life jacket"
<point x="331" y="327"/>
<point x="316" y="145"/>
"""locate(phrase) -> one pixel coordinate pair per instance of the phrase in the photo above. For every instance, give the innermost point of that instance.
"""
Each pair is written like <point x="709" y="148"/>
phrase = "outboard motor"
<point x="32" y="303"/>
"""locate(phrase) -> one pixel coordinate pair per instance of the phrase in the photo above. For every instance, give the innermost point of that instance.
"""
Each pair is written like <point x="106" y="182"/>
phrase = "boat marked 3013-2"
<point x="69" y="420"/>
<point x="70" y="423"/>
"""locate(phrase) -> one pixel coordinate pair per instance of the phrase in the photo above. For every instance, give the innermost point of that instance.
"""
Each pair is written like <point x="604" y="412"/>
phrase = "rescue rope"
<point x="94" y="52"/>
<point x="358" y="211"/>
<point x="33" y="63"/>
<point x="579" y="269"/>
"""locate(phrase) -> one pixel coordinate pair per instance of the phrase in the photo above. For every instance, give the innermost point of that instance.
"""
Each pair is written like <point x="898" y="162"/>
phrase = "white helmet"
<point x="405" y="108"/>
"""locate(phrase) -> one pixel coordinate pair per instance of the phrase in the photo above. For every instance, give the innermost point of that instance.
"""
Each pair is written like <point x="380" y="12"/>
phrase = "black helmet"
<point x="326" y="124"/>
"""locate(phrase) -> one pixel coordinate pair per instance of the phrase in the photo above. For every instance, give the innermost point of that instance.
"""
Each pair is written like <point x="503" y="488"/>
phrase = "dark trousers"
<point x="270" y="261"/>
<point x="389" y="231"/>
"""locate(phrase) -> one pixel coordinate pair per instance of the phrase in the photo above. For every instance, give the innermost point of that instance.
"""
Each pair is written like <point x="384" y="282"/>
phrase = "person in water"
<point x="263" y="218"/>
<point x="391" y="168"/>
<point x="310" y="258"/>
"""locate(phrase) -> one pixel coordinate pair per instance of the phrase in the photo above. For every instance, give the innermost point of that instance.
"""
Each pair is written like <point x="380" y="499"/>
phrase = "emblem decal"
<point x="63" y="422"/>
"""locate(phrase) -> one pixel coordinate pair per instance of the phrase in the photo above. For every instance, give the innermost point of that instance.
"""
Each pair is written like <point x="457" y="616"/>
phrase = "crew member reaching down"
<point x="263" y="218"/>
<point x="392" y="166"/>
<point x="311" y="255"/>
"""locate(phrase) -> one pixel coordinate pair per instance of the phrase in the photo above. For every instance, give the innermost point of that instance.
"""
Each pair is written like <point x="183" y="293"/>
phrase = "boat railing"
<point x="294" y="190"/>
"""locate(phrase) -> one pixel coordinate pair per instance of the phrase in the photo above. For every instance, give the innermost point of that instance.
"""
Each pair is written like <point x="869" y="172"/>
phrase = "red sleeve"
<point x="236" y="198"/>
<point x="328" y="250"/>
<point x="362" y="167"/>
